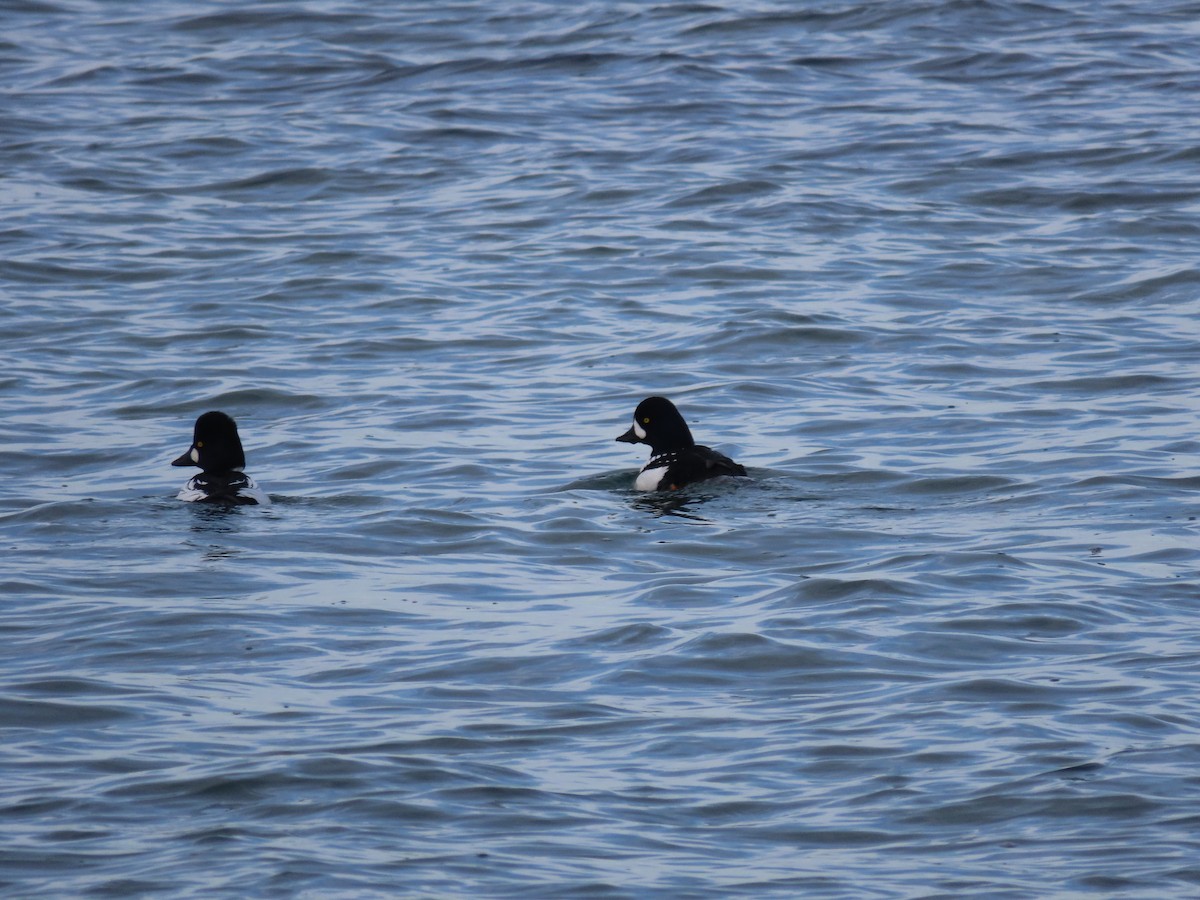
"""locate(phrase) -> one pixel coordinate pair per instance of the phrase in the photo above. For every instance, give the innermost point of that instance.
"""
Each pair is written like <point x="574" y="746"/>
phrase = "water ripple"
<point x="926" y="269"/>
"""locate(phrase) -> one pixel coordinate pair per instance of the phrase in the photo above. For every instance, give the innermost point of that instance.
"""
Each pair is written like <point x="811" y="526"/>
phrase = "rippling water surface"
<point x="928" y="269"/>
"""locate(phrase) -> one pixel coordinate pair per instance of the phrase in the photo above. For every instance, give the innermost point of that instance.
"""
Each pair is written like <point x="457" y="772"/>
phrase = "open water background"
<point x="929" y="269"/>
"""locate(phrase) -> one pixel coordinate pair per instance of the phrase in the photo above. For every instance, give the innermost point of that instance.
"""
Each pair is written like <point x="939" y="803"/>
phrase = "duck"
<point x="217" y="450"/>
<point x="675" y="457"/>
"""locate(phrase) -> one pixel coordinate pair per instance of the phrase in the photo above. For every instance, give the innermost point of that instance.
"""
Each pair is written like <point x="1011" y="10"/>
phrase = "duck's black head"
<point x="658" y="423"/>
<point x="216" y="446"/>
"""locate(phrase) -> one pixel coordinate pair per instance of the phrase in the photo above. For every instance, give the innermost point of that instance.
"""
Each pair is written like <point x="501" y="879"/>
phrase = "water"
<point x="928" y="269"/>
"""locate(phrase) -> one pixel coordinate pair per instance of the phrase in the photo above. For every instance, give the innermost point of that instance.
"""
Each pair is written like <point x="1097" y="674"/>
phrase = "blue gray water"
<point x="928" y="269"/>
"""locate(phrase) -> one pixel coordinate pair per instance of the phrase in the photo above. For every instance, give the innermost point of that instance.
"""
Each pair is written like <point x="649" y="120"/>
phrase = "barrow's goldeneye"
<point x="675" y="458"/>
<point x="217" y="450"/>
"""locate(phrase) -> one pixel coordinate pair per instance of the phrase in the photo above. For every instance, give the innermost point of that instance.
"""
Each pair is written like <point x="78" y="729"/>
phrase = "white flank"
<point x="254" y="491"/>
<point x="190" y="494"/>
<point x="648" y="479"/>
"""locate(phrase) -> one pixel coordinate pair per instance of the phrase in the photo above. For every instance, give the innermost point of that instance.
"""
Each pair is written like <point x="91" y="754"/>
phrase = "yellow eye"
<point x="646" y="420"/>
<point x="199" y="444"/>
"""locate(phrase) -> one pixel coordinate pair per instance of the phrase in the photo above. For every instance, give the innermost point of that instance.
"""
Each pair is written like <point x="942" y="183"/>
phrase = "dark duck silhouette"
<point x="217" y="450"/>
<point x="675" y="457"/>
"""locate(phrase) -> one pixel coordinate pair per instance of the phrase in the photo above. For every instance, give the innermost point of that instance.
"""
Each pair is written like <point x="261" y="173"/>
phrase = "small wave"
<point x="1102" y="385"/>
